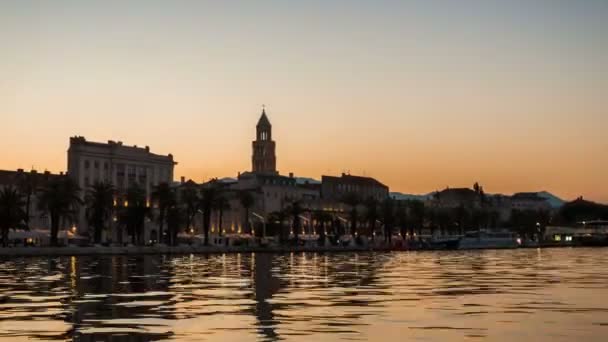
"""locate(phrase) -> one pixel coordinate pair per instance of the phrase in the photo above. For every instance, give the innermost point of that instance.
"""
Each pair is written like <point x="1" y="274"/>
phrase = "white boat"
<point x="488" y="240"/>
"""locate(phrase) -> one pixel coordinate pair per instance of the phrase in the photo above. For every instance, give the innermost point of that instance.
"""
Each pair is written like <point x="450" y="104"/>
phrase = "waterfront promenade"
<point x="201" y="249"/>
<point x="181" y="249"/>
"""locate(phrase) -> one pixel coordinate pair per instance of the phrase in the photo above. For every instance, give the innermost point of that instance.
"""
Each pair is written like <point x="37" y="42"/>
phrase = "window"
<point x="87" y="164"/>
<point x="105" y="165"/>
<point x="96" y="164"/>
<point x="120" y="170"/>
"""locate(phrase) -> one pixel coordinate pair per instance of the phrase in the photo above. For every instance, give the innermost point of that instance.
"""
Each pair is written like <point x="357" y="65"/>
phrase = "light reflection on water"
<point x="541" y="295"/>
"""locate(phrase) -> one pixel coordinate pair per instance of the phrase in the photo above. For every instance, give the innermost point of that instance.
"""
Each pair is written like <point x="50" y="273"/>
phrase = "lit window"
<point x="557" y="238"/>
<point x="568" y="238"/>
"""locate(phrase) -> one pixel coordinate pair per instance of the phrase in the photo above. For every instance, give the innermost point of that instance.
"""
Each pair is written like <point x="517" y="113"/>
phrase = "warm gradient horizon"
<point x="419" y="94"/>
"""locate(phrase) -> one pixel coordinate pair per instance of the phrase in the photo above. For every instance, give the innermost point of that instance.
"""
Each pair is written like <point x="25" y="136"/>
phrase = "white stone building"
<point x="118" y="164"/>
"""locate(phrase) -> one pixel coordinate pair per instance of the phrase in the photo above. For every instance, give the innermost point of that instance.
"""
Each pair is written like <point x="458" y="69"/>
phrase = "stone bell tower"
<point x="264" y="159"/>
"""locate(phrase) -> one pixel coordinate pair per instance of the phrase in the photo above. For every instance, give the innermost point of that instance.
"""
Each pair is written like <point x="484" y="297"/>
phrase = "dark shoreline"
<point x="147" y="250"/>
<point x="151" y="250"/>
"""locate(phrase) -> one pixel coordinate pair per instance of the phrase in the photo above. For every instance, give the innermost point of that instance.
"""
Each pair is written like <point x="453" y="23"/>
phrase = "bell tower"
<point x="264" y="159"/>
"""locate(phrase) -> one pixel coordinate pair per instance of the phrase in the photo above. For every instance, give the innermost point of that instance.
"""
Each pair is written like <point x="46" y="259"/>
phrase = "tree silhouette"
<point x="100" y="204"/>
<point x="209" y="197"/>
<point x="322" y="218"/>
<point x="191" y="201"/>
<point x="294" y="211"/>
<point x="247" y="201"/>
<point x="12" y="215"/>
<point x="388" y="217"/>
<point x="175" y="218"/>
<point x="221" y="205"/>
<point x="352" y="200"/>
<point x="164" y="197"/>
<point x="371" y="214"/>
<point x="27" y="184"/>
<point x="134" y="212"/>
<point x="60" y="199"/>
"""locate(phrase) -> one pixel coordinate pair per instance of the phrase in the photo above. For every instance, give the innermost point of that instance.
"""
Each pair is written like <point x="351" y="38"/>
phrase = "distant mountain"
<point x="409" y="197"/>
<point x="554" y="201"/>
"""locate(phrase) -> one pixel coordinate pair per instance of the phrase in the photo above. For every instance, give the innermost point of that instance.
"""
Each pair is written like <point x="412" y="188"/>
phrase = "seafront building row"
<point x="271" y="193"/>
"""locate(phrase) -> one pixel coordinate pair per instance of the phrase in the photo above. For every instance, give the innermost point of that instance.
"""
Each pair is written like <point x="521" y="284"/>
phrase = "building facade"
<point x="336" y="188"/>
<point x="117" y="164"/>
<point x="28" y="184"/>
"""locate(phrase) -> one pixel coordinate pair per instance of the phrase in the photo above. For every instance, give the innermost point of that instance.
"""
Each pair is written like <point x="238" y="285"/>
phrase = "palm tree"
<point x="164" y="197"/>
<point x="134" y="212"/>
<point x="247" y="201"/>
<point x="418" y="213"/>
<point x="444" y="220"/>
<point x="12" y="214"/>
<point x="352" y="200"/>
<point x="27" y="185"/>
<point x="371" y="214"/>
<point x="175" y="218"/>
<point x="60" y="199"/>
<point x="100" y="204"/>
<point x="402" y="218"/>
<point x="276" y="222"/>
<point x="209" y="195"/>
<point x="294" y="210"/>
<point x="388" y="216"/>
<point x="322" y="218"/>
<point x="462" y="218"/>
<point x="221" y="204"/>
<point x="191" y="200"/>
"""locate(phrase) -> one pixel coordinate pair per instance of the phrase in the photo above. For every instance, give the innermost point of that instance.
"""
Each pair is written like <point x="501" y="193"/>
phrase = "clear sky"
<point x="420" y="94"/>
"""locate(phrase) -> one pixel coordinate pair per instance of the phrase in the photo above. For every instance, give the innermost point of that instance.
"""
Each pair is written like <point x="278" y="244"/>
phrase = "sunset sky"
<point x="419" y="94"/>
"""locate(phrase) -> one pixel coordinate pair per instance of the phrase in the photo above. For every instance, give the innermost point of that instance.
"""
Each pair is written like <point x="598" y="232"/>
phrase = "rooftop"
<point x="12" y="177"/>
<point x="264" y="120"/>
<point x="355" y="180"/>
<point x="116" y="145"/>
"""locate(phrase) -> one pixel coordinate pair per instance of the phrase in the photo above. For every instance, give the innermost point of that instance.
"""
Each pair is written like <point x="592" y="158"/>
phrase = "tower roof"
<point x="263" y="119"/>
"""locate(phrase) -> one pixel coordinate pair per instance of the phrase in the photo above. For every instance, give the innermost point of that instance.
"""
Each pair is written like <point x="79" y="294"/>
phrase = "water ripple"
<point x="542" y="295"/>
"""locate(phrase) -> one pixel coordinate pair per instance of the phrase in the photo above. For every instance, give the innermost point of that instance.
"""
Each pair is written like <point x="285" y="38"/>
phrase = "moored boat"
<point x="488" y="240"/>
